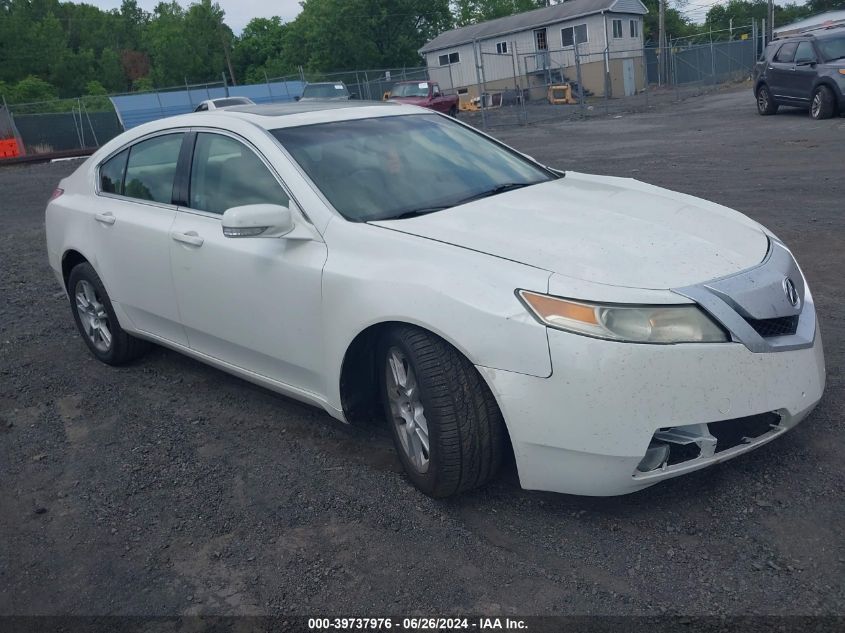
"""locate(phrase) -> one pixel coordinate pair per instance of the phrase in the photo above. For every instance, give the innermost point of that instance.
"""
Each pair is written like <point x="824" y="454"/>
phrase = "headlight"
<point x="632" y="323"/>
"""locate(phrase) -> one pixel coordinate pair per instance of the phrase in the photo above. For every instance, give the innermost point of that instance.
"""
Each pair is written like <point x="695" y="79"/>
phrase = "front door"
<point x="803" y="75"/>
<point x="780" y="69"/>
<point x="251" y="302"/>
<point x="131" y="220"/>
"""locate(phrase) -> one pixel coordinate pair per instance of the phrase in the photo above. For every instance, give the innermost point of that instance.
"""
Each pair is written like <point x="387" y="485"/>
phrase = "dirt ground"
<point x="167" y="487"/>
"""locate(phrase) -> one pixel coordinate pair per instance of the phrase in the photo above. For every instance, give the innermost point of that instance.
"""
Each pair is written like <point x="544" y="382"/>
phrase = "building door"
<point x="630" y="83"/>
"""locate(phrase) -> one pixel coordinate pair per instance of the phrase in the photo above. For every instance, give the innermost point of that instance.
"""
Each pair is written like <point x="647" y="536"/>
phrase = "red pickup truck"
<point x="426" y="94"/>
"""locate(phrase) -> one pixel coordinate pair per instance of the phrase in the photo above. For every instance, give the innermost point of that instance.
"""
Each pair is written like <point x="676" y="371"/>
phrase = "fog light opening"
<point x="655" y="457"/>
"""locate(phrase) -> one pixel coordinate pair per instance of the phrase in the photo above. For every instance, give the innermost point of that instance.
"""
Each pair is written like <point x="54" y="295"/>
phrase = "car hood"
<point x="604" y="230"/>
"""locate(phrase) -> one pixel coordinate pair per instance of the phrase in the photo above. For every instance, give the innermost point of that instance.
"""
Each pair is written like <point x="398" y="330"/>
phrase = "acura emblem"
<point x="791" y="291"/>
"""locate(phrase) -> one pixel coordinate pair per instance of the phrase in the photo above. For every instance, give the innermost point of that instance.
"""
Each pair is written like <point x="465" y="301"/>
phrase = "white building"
<point x="535" y="48"/>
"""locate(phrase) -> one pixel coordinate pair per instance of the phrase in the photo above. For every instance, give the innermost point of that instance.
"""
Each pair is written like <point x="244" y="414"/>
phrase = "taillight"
<point x="56" y="193"/>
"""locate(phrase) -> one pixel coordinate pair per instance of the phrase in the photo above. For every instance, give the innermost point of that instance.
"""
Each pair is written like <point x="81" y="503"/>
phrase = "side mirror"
<point x="257" y="220"/>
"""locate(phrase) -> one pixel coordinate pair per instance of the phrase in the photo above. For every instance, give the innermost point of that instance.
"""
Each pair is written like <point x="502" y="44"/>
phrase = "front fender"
<point x="375" y="275"/>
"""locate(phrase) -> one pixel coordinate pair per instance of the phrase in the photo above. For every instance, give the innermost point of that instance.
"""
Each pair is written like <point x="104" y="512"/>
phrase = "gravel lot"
<point x="168" y="487"/>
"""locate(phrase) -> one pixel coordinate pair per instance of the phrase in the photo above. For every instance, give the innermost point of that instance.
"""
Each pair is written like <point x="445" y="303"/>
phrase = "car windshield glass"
<point x="410" y="90"/>
<point x="398" y="166"/>
<point x="321" y="91"/>
<point x="832" y="48"/>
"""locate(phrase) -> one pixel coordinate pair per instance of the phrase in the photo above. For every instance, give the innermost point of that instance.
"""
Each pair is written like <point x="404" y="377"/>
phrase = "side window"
<point x="435" y="90"/>
<point x="786" y="53"/>
<point x="805" y="53"/>
<point x="111" y="173"/>
<point x="225" y="173"/>
<point x="151" y="168"/>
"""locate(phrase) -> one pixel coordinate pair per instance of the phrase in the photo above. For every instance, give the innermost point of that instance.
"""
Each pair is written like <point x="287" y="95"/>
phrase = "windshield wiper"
<point x="508" y="186"/>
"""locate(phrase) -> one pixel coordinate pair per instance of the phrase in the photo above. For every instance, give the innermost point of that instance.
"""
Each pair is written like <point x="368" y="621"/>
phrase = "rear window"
<point x="223" y="103"/>
<point x="323" y="91"/>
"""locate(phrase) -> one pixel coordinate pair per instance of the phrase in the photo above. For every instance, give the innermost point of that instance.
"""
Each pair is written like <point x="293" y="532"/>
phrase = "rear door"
<point x="132" y="215"/>
<point x="781" y="68"/>
<point x="252" y="302"/>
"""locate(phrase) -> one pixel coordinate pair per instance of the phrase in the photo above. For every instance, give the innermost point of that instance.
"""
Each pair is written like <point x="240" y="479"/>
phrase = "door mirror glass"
<point x="257" y="220"/>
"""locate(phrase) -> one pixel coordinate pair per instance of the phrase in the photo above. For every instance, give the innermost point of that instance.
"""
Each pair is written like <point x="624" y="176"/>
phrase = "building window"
<point x="502" y="48"/>
<point x="449" y="58"/>
<point x="617" y="29"/>
<point x="635" y="28"/>
<point x="540" y="40"/>
<point x="572" y="34"/>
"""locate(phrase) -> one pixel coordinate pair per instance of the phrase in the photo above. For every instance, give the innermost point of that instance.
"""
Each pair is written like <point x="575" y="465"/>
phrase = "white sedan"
<point x="385" y="260"/>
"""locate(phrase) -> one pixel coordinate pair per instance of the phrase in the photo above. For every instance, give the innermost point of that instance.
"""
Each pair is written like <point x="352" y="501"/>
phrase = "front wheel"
<point x="766" y="105"/>
<point x="823" y="104"/>
<point x="453" y="112"/>
<point x="446" y="425"/>
<point x="96" y="321"/>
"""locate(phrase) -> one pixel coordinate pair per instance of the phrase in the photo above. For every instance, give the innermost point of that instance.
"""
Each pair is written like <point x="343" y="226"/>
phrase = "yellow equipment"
<point x="561" y="95"/>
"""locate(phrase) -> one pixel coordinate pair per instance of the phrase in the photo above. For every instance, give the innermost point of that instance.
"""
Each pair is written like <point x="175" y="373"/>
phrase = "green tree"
<point x="31" y="89"/>
<point x="821" y="6"/>
<point x="111" y="71"/>
<point x="677" y="24"/>
<point x="474" y="11"/>
<point x="259" y="50"/>
<point x="349" y="34"/>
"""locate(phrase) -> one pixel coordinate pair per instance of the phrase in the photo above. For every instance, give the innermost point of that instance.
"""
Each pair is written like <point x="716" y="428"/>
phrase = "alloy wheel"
<point x="762" y="100"/>
<point x="817" y="105"/>
<point x="93" y="316"/>
<point x="406" y="409"/>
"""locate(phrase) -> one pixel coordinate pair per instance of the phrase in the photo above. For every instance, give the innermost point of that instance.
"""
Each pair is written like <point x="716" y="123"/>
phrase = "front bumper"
<point x="585" y="429"/>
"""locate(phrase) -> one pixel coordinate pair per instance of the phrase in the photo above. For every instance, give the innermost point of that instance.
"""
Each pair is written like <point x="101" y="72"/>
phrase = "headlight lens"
<point x="636" y="324"/>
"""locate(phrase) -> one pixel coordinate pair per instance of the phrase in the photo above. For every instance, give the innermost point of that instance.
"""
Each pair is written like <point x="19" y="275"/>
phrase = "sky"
<point x="238" y="12"/>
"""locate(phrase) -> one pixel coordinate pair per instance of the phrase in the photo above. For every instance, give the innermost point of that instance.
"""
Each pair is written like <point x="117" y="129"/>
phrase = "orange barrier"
<point x="9" y="148"/>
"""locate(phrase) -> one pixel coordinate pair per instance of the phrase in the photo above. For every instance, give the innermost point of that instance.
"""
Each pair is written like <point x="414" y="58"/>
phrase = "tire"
<point x="766" y="105"/>
<point x="823" y="104"/>
<point x="96" y="321"/>
<point x="443" y="392"/>
<point x="453" y="112"/>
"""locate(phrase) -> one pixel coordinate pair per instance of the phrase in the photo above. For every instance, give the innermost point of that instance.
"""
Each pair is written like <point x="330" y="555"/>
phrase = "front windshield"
<point x="832" y="48"/>
<point x="387" y="167"/>
<point x="323" y="91"/>
<point x="419" y="89"/>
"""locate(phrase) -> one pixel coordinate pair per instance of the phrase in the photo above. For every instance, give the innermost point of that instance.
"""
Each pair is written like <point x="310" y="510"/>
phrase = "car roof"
<point x="271" y="116"/>
<point x="819" y="33"/>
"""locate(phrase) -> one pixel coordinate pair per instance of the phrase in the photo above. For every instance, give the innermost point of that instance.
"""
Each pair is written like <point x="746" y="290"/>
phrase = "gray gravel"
<point x="168" y="487"/>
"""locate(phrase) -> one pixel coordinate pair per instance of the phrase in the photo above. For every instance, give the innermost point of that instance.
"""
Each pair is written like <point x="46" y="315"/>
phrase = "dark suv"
<point x="804" y="70"/>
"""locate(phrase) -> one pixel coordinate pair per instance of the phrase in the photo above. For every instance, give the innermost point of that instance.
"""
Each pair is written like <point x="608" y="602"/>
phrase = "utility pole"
<point x="662" y="53"/>
<point x="770" y="23"/>
<point x="226" y="54"/>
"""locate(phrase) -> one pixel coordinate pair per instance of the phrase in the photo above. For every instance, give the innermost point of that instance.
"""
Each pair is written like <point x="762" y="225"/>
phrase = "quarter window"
<point x="151" y="168"/>
<point x="112" y="172"/>
<point x="786" y="53"/>
<point x="617" y="29"/>
<point x="225" y="173"/>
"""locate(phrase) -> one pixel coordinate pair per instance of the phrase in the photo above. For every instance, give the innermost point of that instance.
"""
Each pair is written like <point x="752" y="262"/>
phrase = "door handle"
<point x="191" y="237"/>
<point x="105" y="218"/>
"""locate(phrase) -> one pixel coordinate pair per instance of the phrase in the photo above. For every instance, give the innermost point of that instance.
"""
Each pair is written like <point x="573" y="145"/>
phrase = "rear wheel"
<point x="446" y="425"/>
<point x="823" y="104"/>
<point x="96" y="321"/>
<point x="766" y="104"/>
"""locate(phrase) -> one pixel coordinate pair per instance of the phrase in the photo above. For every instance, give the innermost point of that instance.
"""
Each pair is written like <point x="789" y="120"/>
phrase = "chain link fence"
<point x="513" y="87"/>
<point x="510" y="87"/>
